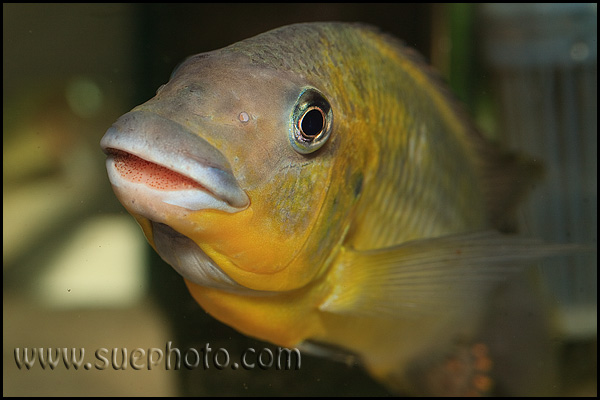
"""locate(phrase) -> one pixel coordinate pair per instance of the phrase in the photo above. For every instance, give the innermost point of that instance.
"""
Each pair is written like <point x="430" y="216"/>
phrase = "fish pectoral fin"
<point x="436" y="275"/>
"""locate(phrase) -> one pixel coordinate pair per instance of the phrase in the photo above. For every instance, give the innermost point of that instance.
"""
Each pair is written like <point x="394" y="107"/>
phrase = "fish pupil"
<point x="312" y="123"/>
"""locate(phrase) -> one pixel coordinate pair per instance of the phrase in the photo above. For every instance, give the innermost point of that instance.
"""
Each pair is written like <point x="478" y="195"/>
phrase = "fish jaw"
<point x="184" y="255"/>
<point x="162" y="173"/>
<point x="154" y="164"/>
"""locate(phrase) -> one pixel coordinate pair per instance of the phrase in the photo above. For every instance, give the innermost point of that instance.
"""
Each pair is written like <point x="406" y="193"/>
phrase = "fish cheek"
<point x="335" y="216"/>
<point x="292" y="204"/>
<point x="264" y="246"/>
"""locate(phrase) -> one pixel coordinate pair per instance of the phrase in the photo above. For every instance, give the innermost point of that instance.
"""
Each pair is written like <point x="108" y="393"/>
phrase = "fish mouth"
<point x="154" y="162"/>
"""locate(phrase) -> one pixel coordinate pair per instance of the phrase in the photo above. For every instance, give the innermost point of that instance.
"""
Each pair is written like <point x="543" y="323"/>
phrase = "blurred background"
<point x="77" y="271"/>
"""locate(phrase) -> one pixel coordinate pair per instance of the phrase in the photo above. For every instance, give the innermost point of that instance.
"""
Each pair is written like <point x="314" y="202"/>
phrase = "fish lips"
<point x="146" y="138"/>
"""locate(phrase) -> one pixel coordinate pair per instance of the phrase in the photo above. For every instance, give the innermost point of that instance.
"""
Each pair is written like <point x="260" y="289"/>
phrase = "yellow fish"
<point x="317" y="187"/>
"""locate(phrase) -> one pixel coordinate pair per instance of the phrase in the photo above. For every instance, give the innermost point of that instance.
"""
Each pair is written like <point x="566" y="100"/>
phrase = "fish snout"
<point x="154" y="162"/>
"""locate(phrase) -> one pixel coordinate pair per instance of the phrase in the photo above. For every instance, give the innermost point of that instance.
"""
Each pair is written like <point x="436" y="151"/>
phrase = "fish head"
<point x="233" y="171"/>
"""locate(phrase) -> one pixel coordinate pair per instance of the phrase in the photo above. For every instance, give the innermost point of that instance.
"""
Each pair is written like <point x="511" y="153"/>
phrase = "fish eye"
<point x="311" y="122"/>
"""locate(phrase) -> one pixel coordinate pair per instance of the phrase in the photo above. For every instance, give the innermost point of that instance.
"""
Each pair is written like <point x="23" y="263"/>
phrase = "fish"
<point x="318" y="186"/>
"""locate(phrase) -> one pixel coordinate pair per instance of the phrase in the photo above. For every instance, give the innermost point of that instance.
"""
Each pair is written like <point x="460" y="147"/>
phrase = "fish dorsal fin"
<point x="433" y="275"/>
